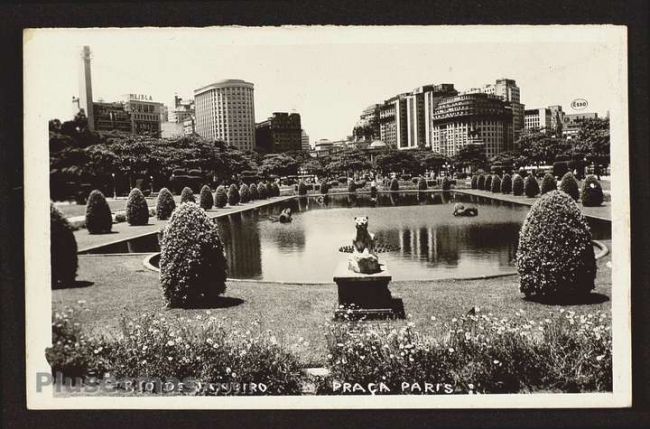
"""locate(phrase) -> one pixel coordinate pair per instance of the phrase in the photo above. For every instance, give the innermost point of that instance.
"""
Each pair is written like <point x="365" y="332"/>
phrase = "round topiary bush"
<point x="324" y="188"/>
<point x="555" y="256"/>
<point x="233" y="195"/>
<point x="548" y="183"/>
<point x="244" y="193"/>
<point x="422" y="184"/>
<point x="531" y="187"/>
<point x="592" y="192"/>
<point x="352" y="187"/>
<point x="446" y="183"/>
<point x="63" y="250"/>
<point x="496" y="184"/>
<point x="137" y="211"/>
<point x="480" y="183"/>
<point x="165" y="204"/>
<point x="98" y="214"/>
<point x="506" y="184"/>
<point x="474" y="182"/>
<point x="192" y="260"/>
<point x="205" y="198"/>
<point x="394" y="184"/>
<point x="273" y="189"/>
<point x="302" y="188"/>
<point x="569" y="185"/>
<point x="261" y="191"/>
<point x="253" y="192"/>
<point x="517" y="185"/>
<point x="488" y="183"/>
<point x="187" y="196"/>
<point x="220" y="197"/>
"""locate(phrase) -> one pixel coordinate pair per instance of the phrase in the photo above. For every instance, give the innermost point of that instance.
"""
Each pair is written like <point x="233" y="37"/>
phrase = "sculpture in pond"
<point x="461" y="210"/>
<point x="285" y="216"/>
<point x="363" y="259"/>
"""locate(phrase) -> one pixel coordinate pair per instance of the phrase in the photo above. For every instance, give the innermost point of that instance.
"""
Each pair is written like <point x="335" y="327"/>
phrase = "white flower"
<point x="170" y="343"/>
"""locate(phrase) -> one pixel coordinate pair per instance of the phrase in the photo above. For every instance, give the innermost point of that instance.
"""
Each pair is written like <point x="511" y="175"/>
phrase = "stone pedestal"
<point x="365" y="295"/>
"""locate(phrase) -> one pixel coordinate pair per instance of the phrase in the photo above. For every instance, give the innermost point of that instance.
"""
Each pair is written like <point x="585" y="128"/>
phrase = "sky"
<point x="327" y="74"/>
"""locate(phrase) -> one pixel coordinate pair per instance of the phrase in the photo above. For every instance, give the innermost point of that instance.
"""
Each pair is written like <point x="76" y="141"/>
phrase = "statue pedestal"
<point x="365" y="295"/>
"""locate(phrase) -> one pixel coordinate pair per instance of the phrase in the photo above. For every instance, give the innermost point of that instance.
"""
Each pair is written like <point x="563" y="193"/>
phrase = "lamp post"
<point x="114" y="187"/>
<point x="151" y="184"/>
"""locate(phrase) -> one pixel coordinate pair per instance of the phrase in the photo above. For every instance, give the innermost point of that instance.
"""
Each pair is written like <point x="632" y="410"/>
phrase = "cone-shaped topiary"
<point x="302" y="188"/>
<point x="270" y="190"/>
<point x="187" y="196"/>
<point x="352" y="187"/>
<point x="137" y="211"/>
<point x="233" y="195"/>
<point x="422" y="184"/>
<point x="324" y="187"/>
<point x="253" y="192"/>
<point x="261" y="191"/>
<point x="555" y="256"/>
<point x="531" y="187"/>
<point x="496" y="184"/>
<point x="63" y="250"/>
<point x="592" y="192"/>
<point x="548" y="183"/>
<point x="244" y="193"/>
<point x="394" y="184"/>
<point x="220" y="197"/>
<point x="569" y="184"/>
<point x="474" y="182"/>
<point x="98" y="214"/>
<point x="165" y="204"/>
<point x="560" y="168"/>
<point x="192" y="261"/>
<point x="488" y="183"/>
<point x="506" y="184"/>
<point x="517" y="185"/>
<point x="481" y="182"/>
<point x="446" y="183"/>
<point x="205" y="198"/>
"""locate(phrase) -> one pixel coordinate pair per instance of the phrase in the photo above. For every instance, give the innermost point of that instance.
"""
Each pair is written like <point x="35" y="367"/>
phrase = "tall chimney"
<point x="86" y="88"/>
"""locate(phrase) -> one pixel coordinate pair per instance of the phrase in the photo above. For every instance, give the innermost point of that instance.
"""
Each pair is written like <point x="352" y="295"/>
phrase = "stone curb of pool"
<point x="603" y="250"/>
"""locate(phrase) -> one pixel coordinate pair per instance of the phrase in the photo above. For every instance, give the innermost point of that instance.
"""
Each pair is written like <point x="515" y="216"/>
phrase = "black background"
<point x="16" y="16"/>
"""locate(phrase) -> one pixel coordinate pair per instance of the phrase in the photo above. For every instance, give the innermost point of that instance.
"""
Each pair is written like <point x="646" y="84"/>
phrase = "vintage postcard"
<point x="327" y="217"/>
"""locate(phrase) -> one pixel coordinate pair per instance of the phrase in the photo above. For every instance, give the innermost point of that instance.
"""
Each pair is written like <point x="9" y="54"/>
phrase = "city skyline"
<point x="329" y="75"/>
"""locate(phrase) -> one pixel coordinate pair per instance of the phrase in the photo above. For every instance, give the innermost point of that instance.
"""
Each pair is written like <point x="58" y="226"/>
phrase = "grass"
<point x="297" y="314"/>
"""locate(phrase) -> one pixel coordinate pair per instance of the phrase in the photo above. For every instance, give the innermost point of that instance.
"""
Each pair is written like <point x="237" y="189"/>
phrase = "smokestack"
<point x="86" y="88"/>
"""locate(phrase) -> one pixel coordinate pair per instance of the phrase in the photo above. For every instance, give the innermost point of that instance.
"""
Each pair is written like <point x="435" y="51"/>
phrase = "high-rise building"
<point x="225" y="111"/>
<point x="86" y="88"/>
<point x="183" y="109"/>
<point x="368" y="126"/>
<point x="304" y="141"/>
<point x="557" y="119"/>
<point x="111" y="116"/>
<point x="538" y="120"/>
<point x="507" y="90"/>
<point x="572" y="122"/>
<point x="392" y="122"/>
<point x="472" y="118"/>
<point x="280" y="133"/>
<point x="145" y="114"/>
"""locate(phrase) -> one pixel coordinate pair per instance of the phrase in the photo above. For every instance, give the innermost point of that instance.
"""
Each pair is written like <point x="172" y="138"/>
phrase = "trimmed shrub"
<point x="506" y="184"/>
<point x="63" y="250"/>
<point x="531" y="187"/>
<point x="270" y="189"/>
<point x="192" y="260"/>
<point x="261" y="191"/>
<point x="569" y="185"/>
<point x="446" y="183"/>
<point x="324" y="188"/>
<point x="474" y="182"/>
<point x="548" y="183"/>
<point x="488" y="183"/>
<point x="220" y="197"/>
<point x="517" y="185"/>
<point x="165" y="204"/>
<point x="187" y="196"/>
<point x="233" y="195"/>
<point x="560" y="168"/>
<point x="352" y="187"/>
<point x="253" y="192"/>
<point x="394" y="185"/>
<point x="422" y="184"/>
<point x="137" y="211"/>
<point x="120" y="217"/>
<point x="244" y="193"/>
<point x="302" y="188"/>
<point x="592" y="192"/>
<point x="523" y="173"/>
<point x="496" y="184"/>
<point x="555" y="256"/>
<point x="98" y="214"/>
<point x="205" y="198"/>
<point x="480" y="183"/>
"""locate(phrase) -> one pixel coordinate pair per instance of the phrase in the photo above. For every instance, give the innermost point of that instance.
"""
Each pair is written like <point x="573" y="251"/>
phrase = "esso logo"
<point x="579" y="104"/>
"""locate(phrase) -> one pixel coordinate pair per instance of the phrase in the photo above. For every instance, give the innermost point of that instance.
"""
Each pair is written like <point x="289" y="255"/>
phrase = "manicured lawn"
<point x="122" y="286"/>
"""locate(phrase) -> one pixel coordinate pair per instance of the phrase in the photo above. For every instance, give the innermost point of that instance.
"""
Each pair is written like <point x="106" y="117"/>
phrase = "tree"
<point x="399" y="161"/>
<point x="540" y="148"/>
<point x="278" y="164"/>
<point x="472" y="156"/>
<point x="348" y="162"/>
<point x="593" y="141"/>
